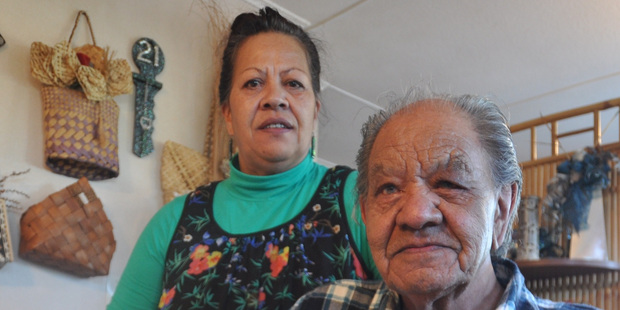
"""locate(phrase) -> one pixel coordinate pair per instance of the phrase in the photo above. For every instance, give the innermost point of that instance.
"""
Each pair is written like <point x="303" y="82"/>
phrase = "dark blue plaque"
<point x="149" y="59"/>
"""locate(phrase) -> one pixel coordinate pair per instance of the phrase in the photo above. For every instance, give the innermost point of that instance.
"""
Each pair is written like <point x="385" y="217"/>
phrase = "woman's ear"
<point x="362" y="208"/>
<point x="228" y="119"/>
<point x="317" y="108"/>
<point x="506" y="206"/>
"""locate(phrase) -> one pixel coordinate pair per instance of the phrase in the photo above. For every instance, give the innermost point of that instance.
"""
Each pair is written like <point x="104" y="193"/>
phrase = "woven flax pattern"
<point x="182" y="170"/>
<point x="6" y="251"/>
<point x="89" y="66"/>
<point x="66" y="233"/>
<point x="81" y="135"/>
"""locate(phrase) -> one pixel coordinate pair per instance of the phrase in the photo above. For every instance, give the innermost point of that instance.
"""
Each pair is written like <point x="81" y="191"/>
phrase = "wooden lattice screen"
<point x="598" y="289"/>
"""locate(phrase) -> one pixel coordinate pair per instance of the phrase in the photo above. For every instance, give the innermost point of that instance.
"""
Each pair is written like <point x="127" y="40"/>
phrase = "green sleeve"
<point x="140" y="286"/>
<point x="358" y="229"/>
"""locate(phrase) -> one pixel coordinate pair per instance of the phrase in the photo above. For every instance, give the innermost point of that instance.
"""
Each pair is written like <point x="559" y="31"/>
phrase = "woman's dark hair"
<point x="268" y="20"/>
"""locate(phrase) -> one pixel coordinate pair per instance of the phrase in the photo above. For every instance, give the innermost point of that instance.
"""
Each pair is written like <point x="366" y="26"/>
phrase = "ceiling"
<point x="534" y="57"/>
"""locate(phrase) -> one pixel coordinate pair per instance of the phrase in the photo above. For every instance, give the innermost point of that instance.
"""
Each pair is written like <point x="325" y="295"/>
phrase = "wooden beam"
<point x="555" y="143"/>
<point x="533" y="150"/>
<point x="565" y="114"/>
<point x="575" y="132"/>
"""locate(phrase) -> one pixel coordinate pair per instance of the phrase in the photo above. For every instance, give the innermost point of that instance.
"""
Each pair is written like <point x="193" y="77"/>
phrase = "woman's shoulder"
<point x="337" y="169"/>
<point x="343" y="171"/>
<point x="170" y="213"/>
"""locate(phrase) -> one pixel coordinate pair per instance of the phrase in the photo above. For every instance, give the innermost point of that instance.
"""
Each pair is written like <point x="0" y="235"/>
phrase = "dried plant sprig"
<point x="14" y="173"/>
<point x="10" y="202"/>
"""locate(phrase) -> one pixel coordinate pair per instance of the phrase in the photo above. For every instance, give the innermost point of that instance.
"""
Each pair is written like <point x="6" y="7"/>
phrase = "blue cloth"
<point x="355" y="294"/>
<point x="593" y="173"/>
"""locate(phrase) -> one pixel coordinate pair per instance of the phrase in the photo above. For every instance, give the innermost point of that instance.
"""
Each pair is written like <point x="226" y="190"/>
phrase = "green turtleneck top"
<point x="242" y="204"/>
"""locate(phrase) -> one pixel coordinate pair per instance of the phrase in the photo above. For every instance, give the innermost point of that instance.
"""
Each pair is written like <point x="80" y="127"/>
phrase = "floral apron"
<point x="208" y="268"/>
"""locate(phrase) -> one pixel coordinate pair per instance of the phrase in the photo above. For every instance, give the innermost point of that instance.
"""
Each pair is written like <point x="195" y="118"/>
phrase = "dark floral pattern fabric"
<point x="208" y="268"/>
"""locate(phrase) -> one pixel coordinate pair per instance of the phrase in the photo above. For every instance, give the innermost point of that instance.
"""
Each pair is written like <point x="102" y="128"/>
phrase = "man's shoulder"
<point x="553" y="305"/>
<point x="342" y="294"/>
<point x="529" y="301"/>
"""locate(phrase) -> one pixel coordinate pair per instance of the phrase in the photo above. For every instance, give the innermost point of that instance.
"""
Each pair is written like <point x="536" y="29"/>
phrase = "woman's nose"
<point x="275" y="97"/>
<point x="419" y="209"/>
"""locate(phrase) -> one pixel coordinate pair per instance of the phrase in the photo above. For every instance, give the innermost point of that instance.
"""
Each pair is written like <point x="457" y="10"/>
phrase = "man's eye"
<point x="448" y="185"/>
<point x="387" y="189"/>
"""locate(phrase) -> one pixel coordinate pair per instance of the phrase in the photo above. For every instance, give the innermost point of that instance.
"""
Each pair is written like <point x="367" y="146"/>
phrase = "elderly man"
<point x="439" y="186"/>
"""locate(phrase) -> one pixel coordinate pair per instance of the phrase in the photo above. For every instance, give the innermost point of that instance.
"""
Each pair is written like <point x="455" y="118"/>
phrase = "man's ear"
<point x="228" y="118"/>
<point x="506" y="205"/>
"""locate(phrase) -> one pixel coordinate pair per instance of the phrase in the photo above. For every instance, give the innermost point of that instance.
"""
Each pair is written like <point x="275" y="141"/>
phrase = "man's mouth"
<point x="421" y="247"/>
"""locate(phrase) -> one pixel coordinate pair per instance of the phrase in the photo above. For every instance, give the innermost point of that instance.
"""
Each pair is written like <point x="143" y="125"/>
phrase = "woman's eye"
<point x="252" y="83"/>
<point x="294" y="84"/>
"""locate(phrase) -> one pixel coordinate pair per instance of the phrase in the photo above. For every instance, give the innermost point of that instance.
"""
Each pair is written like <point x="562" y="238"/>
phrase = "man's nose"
<point x="419" y="208"/>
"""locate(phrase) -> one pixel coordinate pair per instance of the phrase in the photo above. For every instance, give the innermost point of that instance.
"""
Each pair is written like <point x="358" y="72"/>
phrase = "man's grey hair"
<point x="488" y="121"/>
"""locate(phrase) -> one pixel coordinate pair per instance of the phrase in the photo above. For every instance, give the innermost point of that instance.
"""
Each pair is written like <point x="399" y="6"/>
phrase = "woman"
<point x="281" y="224"/>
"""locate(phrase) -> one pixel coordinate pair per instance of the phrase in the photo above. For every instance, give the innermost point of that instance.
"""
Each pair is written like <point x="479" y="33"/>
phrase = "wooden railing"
<point x="552" y="121"/>
<point x="601" y="289"/>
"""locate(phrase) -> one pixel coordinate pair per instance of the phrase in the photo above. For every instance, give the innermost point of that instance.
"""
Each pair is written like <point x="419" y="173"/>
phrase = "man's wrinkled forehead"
<point x="444" y="147"/>
<point x="458" y="162"/>
<point x="431" y="162"/>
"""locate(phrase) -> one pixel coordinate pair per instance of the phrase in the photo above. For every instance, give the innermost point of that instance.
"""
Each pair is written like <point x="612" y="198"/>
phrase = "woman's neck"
<point x="253" y="165"/>
<point x="245" y="184"/>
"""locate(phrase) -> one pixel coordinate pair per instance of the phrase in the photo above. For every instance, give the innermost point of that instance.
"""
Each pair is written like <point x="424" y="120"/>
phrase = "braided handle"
<point x="90" y="27"/>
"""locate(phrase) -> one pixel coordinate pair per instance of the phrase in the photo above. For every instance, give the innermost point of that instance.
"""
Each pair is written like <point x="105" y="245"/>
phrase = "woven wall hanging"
<point x="80" y="118"/>
<point x="69" y="231"/>
<point x="183" y="169"/>
<point x="6" y="250"/>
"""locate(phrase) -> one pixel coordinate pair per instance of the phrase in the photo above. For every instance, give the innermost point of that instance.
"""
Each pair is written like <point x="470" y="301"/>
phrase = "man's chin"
<point x="424" y="273"/>
<point x="426" y="283"/>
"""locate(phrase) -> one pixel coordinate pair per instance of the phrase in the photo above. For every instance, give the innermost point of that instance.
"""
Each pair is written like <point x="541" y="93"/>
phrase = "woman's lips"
<point x="275" y="123"/>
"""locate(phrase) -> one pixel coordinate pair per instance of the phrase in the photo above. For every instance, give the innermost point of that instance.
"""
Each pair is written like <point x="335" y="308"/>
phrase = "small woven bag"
<point x="81" y="135"/>
<point x="80" y="119"/>
<point x="69" y="231"/>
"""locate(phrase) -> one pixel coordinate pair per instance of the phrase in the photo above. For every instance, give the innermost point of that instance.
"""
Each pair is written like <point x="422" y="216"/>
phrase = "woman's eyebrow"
<point x="292" y="69"/>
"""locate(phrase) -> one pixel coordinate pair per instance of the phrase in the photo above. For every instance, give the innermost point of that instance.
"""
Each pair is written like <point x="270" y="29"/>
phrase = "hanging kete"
<point x="149" y="59"/>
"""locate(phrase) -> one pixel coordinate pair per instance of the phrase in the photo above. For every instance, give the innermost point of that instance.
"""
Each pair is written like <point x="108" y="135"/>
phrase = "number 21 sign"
<point x="149" y="59"/>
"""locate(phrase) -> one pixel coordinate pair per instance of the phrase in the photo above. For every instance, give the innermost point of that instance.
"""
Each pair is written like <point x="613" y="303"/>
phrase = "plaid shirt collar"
<point x="375" y="295"/>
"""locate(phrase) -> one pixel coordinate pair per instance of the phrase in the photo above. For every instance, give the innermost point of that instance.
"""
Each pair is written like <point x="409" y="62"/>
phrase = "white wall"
<point x="179" y="27"/>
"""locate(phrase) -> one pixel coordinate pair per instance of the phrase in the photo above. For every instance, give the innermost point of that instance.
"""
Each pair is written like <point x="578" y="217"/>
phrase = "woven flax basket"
<point x="6" y="251"/>
<point x="182" y="170"/>
<point x="69" y="231"/>
<point x="81" y="135"/>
